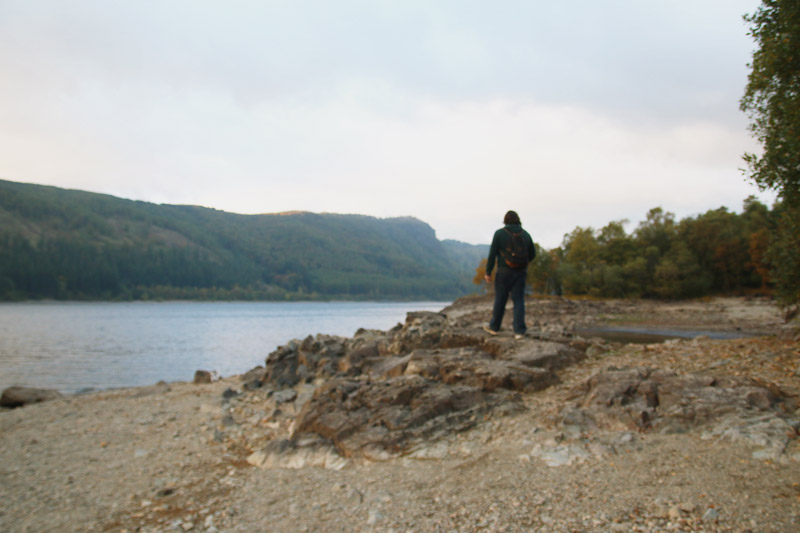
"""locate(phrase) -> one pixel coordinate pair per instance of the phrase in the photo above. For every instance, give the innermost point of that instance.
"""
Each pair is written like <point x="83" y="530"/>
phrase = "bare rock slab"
<point x="549" y="355"/>
<point x="476" y="368"/>
<point x="377" y="420"/>
<point x="737" y="408"/>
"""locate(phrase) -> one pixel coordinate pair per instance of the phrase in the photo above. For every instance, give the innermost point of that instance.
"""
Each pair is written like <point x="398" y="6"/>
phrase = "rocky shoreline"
<point x="435" y="426"/>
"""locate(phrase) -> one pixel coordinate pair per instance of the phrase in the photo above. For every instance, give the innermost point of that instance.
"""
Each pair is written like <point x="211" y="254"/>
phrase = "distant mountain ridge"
<point x="70" y="244"/>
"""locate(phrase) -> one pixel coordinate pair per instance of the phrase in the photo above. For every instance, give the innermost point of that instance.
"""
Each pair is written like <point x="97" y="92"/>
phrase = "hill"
<point x="68" y="244"/>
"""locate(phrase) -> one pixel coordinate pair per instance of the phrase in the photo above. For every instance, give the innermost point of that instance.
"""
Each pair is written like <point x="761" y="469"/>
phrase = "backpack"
<point x="516" y="253"/>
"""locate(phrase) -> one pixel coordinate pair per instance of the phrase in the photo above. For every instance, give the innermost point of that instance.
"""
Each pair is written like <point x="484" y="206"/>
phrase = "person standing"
<point x="512" y="250"/>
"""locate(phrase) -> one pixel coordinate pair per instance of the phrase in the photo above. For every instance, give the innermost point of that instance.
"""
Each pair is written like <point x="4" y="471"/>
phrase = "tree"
<point x="581" y="257"/>
<point x="772" y="101"/>
<point x="542" y="276"/>
<point x="618" y="246"/>
<point x="657" y="230"/>
<point x="772" y="97"/>
<point x="718" y="241"/>
<point x="480" y="276"/>
<point x="757" y="220"/>
<point x="678" y="275"/>
<point x="757" y="247"/>
<point x="784" y="255"/>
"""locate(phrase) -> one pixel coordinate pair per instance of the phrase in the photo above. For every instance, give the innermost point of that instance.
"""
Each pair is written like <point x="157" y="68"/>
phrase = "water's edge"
<point x="79" y="346"/>
<point x="651" y="335"/>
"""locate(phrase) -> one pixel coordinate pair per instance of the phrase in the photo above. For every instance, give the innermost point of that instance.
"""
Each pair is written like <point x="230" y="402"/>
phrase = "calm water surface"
<point x="75" y="346"/>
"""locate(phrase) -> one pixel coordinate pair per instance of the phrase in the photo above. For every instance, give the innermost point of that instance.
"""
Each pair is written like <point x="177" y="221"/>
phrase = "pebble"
<point x="354" y="497"/>
<point x="375" y="516"/>
<point x="687" y="507"/>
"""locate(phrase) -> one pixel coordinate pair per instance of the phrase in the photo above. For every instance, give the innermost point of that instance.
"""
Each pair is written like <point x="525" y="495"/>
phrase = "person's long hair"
<point x="511" y="218"/>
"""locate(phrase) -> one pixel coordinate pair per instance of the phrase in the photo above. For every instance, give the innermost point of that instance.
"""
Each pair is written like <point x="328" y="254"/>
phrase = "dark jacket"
<point x="501" y="241"/>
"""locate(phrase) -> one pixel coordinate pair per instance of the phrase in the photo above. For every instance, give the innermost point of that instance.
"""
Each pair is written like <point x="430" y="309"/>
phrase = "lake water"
<point x="74" y="346"/>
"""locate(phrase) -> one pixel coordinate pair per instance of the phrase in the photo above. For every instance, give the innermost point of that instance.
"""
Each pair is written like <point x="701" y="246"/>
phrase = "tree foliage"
<point x="718" y="252"/>
<point x="784" y="255"/>
<point x="772" y="101"/>
<point x="772" y="96"/>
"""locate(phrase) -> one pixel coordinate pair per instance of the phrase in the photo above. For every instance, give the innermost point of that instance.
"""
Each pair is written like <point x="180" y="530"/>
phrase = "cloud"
<point x="449" y="111"/>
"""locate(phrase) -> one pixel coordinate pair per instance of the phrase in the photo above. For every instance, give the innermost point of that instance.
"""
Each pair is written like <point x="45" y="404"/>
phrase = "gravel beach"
<point x="178" y="456"/>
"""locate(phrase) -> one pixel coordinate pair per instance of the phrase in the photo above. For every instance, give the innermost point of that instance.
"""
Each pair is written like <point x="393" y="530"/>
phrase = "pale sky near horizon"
<point x="451" y="111"/>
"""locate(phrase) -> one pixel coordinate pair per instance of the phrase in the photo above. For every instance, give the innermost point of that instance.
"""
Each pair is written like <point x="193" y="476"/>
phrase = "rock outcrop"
<point x="644" y="398"/>
<point x="377" y="420"/>
<point x="619" y="401"/>
<point x="378" y="394"/>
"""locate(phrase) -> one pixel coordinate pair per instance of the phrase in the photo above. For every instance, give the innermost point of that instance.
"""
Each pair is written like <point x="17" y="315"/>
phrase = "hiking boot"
<point x="489" y="330"/>
<point x="519" y="336"/>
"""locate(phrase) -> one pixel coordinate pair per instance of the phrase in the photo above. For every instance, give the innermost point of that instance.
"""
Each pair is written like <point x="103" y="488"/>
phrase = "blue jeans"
<point x="509" y="281"/>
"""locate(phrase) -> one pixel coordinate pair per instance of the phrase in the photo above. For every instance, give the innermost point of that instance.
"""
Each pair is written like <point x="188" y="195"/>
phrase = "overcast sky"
<point x="452" y="111"/>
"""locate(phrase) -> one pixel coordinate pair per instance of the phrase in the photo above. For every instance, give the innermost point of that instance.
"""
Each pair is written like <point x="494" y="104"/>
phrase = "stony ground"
<point x="174" y="457"/>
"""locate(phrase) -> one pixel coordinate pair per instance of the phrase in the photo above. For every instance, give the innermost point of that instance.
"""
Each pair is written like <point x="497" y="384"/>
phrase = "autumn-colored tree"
<point x="757" y="248"/>
<point x="480" y="276"/>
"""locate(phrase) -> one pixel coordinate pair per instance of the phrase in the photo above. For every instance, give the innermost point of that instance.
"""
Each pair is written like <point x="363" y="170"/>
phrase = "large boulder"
<point x="202" y="376"/>
<point x="18" y="396"/>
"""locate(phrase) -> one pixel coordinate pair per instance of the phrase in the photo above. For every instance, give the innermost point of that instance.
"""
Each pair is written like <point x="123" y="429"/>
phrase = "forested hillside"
<point x="67" y="244"/>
